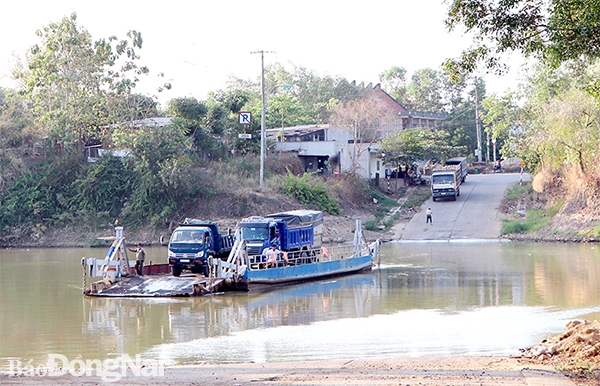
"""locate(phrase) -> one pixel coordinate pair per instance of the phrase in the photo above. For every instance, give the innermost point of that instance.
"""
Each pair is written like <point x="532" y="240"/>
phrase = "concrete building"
<point x="335" y="147"/>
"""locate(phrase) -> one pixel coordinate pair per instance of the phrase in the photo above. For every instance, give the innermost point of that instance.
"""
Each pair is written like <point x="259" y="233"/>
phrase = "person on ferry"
<point x="140" y="256"/>
<point x="273" y="255"/>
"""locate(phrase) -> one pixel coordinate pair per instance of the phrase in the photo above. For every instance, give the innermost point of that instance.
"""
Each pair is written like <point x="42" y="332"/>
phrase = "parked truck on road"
<point x="193" y="242"/>
<point x="464" y="166"/>
<point x="446" y="181"/>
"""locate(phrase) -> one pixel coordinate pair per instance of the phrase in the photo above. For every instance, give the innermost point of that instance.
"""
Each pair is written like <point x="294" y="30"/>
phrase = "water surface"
<point x="428" y="298"/>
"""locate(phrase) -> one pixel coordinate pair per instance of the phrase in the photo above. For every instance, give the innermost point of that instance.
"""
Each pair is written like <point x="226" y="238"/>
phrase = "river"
<point x="425" y="298"/>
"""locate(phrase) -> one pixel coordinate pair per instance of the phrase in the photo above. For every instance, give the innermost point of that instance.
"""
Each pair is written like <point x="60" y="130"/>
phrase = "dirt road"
<point x="474" y="215"/>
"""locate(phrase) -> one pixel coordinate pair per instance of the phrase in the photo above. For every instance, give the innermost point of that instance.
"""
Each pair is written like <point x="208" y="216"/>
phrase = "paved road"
<point x="474" y="215"/>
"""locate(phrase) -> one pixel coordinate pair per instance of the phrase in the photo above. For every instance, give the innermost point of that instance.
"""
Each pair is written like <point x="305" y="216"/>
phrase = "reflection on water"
<point x="425" y="298"/>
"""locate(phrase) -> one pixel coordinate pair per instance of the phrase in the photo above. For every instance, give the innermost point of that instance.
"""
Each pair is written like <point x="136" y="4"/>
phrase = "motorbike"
<point x="417" y="179"/>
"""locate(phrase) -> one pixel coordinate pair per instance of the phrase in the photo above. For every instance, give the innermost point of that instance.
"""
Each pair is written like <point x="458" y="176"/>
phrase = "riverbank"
<point x="447" y="370"/>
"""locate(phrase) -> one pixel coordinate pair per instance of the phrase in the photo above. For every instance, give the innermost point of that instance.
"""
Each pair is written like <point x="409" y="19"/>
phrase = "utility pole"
<point x="477" y="122"/>
<point x="263" y="140"/>
<point x="487" y="147"/>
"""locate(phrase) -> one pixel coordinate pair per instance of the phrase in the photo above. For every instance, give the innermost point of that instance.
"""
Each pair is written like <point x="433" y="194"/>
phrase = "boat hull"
<point x="260" y="278"/>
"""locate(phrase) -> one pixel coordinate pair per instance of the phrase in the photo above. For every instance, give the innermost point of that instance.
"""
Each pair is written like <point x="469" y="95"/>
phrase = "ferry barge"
<point x="238" y="272"/>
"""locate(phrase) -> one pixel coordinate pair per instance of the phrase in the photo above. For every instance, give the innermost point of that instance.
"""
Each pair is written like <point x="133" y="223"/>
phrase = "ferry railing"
<point x="239" y="256"/>
<point x="316" y="255"/>
<point x="235" y="264"/>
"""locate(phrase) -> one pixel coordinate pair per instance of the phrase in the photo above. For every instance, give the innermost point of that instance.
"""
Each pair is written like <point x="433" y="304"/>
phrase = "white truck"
<point x="445" y="181"/>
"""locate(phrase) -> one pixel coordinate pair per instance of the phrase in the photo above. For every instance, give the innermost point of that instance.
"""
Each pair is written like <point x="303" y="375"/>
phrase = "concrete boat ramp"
<point x="155" y="286"/>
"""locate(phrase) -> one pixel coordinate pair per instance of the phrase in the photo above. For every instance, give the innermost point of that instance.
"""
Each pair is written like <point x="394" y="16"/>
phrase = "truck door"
<point x="207" y="241"/>
<point x="273" y="234"/>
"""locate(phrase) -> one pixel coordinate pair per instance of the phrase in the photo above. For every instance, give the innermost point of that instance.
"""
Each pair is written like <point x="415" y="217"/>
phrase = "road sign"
<point x="244" y="136"/>
<point x="245" y="118"/>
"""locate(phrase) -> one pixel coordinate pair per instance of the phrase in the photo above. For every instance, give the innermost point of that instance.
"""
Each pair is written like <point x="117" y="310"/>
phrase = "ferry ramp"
<point x="475" y="215"/>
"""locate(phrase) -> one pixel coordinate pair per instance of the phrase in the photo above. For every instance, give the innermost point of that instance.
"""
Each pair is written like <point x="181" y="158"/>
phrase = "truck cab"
<point x="295" y="230"/>
<point x="259" y="233"/>
<point x="193" y="242"/>
<point x="445" y="182"/>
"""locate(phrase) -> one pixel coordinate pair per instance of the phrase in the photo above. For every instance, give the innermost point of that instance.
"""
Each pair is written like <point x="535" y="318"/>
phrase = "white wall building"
<point x="320" y="146"/>
<point x="317" y="144"/>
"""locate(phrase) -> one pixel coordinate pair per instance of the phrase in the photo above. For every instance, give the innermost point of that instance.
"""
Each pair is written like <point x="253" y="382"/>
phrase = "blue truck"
<point x="193" y="242"/>
<point x="296" y="230"/>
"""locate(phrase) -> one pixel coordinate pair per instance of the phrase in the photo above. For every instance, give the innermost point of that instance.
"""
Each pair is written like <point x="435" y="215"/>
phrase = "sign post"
<point x="522" y="166"/>
<point x="245" y="119"/>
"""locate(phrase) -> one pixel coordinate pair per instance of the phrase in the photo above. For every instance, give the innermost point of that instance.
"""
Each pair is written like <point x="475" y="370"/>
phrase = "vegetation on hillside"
<point x="75" y="93"/>
<point x="553" y="121"/>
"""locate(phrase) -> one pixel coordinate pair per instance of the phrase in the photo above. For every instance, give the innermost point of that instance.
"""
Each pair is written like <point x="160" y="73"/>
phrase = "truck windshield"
<point x="254" y="233"/>
<point x="187" y="236"/>
<point x="442" y="179"/>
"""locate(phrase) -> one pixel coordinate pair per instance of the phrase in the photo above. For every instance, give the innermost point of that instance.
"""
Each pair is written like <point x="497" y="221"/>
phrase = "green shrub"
<point x="382" y="200"/>
<point x="516" y="192"/>
<point x="103" y="186"/>
<point x="390" y="221"/>
<point x="555" y="208"/>
<point x="513" y="226"/>
<point x="311" y="193"/>
<point x="416" y="198"/>
<point x="593" y="232"/>
<point x="535" y="220"/>
<point x="372" y="224"/>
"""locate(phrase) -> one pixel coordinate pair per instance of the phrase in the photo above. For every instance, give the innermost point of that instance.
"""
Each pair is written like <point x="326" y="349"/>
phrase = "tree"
<point x="554" y="31"/>
<point x="285" y="111"/>
<point x="366" y="119"/>
<point x="17" y="137"/>
<point x="565" y="131"/>
<point x="138" y="106"/>
<point x="201" y="123"/>
<point x="411" y="145"/>
<point x="393" y="80"/>
<point x="424" y="92"/>
<point x="461" y="124"/>
<point x="75" y="86"/>
<point x="562" y="89"/>
<point x="187" y="108"/>
<point x="501" y="118"/>
<point x="162" y="171"/>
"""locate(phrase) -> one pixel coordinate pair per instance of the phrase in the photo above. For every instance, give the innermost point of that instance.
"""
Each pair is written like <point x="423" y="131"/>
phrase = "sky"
<point x="199" y="44"/>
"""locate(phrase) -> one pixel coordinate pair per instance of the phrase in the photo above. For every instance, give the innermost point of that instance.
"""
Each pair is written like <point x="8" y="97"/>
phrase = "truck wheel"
<point x="176" y="270"/>
<point x="454" y="198"/>
<point x="433" y="199"/>
<point x="458" y="192"/>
